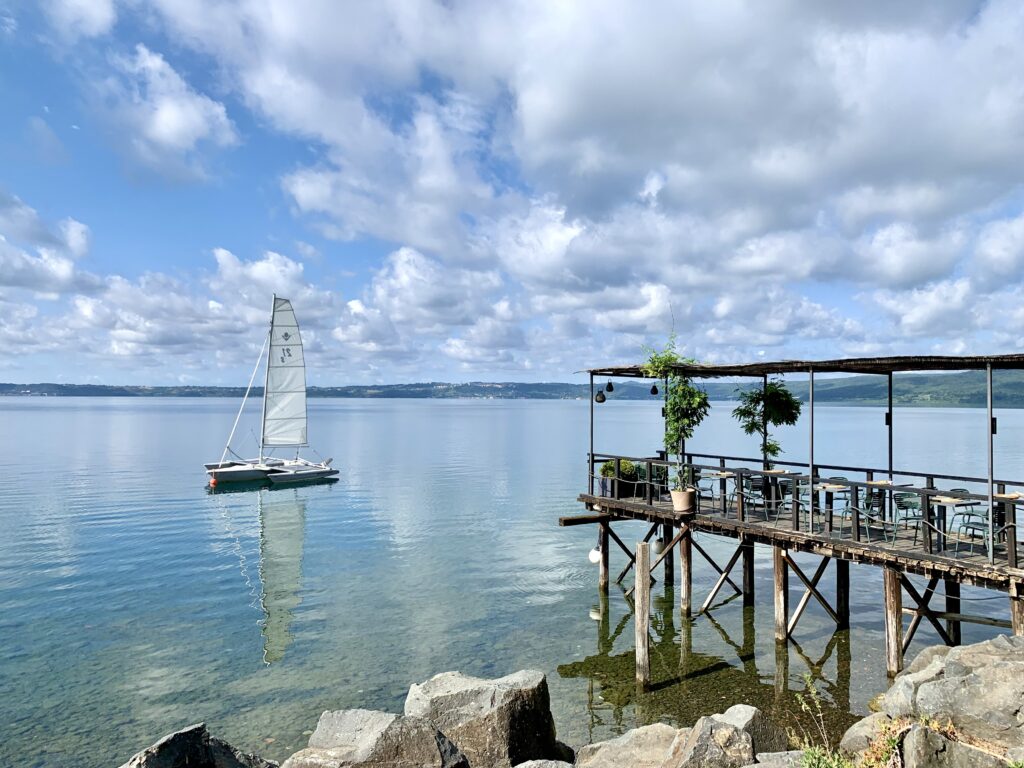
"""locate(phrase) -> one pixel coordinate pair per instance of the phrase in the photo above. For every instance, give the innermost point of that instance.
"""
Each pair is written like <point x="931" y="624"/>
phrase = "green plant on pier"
<point x="762" y="408"/>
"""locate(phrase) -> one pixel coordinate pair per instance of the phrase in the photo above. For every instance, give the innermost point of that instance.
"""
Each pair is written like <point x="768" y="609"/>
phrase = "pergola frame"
<point x="886" y="366"/>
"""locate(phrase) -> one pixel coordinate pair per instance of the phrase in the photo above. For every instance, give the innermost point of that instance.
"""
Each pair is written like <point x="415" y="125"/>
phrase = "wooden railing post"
<point x="590" y="476"/>
<point x="855" y="512"/>
<point x="650" y="484"/>
<point x="1011" y="533"/>
<point x="617" y="484"/>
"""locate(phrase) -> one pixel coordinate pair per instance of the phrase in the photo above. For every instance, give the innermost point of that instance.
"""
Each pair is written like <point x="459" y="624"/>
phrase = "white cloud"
<point x="168" y="123"/>
<point x="73" y="19"/>
<point x="948" y="307"/>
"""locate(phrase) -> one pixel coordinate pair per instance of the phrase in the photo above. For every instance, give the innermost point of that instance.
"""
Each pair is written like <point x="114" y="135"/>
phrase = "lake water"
<point x="133" y="602"/>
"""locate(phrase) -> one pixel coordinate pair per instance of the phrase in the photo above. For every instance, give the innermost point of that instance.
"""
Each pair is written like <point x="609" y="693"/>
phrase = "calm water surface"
<point x="132" y="602"/>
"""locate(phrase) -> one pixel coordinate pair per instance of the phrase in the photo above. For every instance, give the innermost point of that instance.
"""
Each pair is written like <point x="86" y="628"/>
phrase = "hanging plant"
<point x="762" y="408"/>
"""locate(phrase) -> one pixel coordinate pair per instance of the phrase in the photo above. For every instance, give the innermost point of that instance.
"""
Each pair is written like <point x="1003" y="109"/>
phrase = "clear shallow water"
<point x="132" y="602"/>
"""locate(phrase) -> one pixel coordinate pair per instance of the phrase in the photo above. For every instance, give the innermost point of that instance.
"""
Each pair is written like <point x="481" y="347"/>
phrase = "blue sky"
<point x="503" y="191"/>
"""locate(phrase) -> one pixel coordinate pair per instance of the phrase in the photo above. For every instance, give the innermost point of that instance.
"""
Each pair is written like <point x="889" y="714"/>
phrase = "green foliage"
<point x="764" y="407"/>
<point x="821" y="757"/>
<point x="659" y="362"/>
<point x="627" y="470"/>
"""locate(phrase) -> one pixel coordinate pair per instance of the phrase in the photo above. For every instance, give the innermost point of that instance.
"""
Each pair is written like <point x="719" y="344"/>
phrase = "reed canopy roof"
<point x="881" y="365"/>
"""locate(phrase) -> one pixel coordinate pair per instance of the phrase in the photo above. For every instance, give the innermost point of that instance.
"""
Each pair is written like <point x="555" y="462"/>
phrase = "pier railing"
<point x="872" y="508"/>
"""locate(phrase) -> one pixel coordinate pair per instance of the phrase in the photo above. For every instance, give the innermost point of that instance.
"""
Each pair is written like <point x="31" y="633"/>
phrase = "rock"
<point x="193" y="747"/>
<point x="496" y="723"/>
<point x="979" y="688"/>
<point x="729" y="740"/>
<point x="360" y="738"/>
<point x="859" y="735"/>
<point x="925" y="657"/>
<point x="924" y="748"/>
<point x="646" y="747"/>
<point x="564" y="753"/>
<point x="792" y="759"/>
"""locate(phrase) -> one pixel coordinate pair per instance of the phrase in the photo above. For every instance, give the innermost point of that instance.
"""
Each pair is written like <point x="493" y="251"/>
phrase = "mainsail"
<point x="284" y="400"/>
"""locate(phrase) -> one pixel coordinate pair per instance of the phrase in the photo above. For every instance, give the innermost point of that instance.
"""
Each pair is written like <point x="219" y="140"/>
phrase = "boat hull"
<point x="237" y="472"/>
<point x="300" y="474"/>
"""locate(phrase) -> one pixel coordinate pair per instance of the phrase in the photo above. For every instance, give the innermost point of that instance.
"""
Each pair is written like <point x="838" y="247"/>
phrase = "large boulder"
<point x="790" y="759"/>
<point x="361" y="738"/>
<point x="858" y="737"/>
<point x="496" y="723"/>
<point x="925" y="748"/>
<point x="646" y="747"/>
<point x="729" y="740"/>
<point x="979" y="688"/>
<point x="193" y="747"/>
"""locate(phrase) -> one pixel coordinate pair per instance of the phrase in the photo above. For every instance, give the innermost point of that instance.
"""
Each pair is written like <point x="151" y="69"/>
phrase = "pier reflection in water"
<point x="687" y="684"/>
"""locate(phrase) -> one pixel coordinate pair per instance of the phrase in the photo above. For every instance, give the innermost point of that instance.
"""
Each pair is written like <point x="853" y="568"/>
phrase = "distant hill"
<point x="966" y="389"/>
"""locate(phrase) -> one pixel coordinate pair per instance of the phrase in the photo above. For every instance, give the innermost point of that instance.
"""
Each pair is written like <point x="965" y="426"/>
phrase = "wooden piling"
<point x="602" y="579"/>
<point x="781" y="594"/>
<point x="748" y="574"/>
<point x="893" y="620"/>
<point x="670" y="574"/>
<point x="1017" y="608"/>
<point x="843" y="593"/>
<point x="642" y="613"/>
<point x="952" y="589"/>
<point x="685" y="575"/>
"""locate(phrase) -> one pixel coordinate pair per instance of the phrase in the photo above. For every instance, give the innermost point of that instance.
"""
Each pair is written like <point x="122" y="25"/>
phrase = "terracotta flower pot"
<point x="684" y="501"/>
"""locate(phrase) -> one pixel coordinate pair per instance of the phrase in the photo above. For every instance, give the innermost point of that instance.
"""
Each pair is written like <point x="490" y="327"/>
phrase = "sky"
<point x="510" y="191"/>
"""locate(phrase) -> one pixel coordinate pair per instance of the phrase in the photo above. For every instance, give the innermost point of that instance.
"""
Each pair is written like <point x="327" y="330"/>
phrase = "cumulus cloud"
<point x="168" y="123"/>
<point x="73" y="19"/>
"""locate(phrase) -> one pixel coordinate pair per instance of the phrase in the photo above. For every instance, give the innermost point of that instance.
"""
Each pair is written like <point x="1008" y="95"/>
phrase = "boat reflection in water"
<point x="687" y="684"/>
<point x="281" y="512"/>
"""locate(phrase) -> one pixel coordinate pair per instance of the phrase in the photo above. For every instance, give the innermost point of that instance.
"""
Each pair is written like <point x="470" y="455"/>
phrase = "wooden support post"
<point x="843" y="593"/>
<point x="642" y="614"/>
<point x="748" y="573"/>
<point x="781" y="668"/>
<point x="1017" y="608"/>
<point x="953" y="606"/>
<point x="602" y="579"/>
<point x="685" y="575"/>
<point x="893" y="620"/>
<point x="670" y="563"/>
<point x="781" y="593"/>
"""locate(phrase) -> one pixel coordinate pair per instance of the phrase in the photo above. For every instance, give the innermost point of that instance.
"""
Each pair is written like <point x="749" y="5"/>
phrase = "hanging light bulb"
<point x="599" y="397"/>
<point x="654" y="389"/>
<point x="609" y="387"/>
<point x="595" y="555"/>
<point x="658" y="546"/>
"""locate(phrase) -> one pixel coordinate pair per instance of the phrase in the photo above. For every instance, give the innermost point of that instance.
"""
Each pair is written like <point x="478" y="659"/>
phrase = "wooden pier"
<point x="900" y="521"/>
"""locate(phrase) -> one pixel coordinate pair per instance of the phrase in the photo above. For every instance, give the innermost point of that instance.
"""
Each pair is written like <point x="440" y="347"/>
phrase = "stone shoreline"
<point x="952" y="708"/>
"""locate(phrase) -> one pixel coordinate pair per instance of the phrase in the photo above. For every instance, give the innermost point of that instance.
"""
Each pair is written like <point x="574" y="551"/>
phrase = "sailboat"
<point x="284" y="412"/>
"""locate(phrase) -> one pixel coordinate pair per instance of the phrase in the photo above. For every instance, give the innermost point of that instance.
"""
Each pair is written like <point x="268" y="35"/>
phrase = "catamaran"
<point x="284" y="412"/>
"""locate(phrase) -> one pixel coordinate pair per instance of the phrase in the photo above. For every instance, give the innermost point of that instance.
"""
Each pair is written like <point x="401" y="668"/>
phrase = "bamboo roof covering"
<point x="880" y="365"/>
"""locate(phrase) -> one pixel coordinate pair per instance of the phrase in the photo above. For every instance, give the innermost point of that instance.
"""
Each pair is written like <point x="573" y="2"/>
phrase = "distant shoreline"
<point x="956" y="390"/>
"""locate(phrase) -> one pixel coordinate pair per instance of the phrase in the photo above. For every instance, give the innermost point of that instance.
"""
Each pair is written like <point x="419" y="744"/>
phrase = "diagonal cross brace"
<point x="922" y="611"/>
<point x="683" y="533"/>
<point x="811" y="591"/>
<point x="722" y="579"/>
<point x="632" y="557"/>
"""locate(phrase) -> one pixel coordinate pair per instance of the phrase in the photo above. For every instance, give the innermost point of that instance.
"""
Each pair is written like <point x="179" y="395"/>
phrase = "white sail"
<point x="284" y="404"/>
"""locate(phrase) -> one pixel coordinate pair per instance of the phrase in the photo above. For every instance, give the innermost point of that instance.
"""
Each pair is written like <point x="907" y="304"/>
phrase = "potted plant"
<point x="772" y="405"/>
<point x="686" y="405"/>
<point x="628" y="477"/>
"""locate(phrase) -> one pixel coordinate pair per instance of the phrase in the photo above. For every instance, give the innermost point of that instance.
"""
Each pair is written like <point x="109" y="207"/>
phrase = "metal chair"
<point x="753" y="494"/>
<point x="908" y="512"/>
<point x="872" y="517"/>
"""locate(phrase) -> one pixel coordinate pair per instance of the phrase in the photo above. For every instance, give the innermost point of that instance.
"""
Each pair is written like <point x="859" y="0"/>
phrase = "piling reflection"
<point x="688" y="681"/>
<point x="282" y="519"/>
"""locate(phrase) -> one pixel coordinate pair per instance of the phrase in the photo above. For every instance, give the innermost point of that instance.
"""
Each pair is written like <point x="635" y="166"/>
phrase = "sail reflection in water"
<point x="282" y="516"/>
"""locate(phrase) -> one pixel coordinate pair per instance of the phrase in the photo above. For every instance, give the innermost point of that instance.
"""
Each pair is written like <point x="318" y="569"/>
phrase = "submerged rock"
<point x="496" y="723"/>
<point x="729" y="740"/>
<point x="193" y="747"/>
<point x="353" y="738"/>
<point x="646" y="747"/>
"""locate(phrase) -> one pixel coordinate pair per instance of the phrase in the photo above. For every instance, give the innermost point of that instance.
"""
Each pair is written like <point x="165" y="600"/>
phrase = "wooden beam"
<point x="952" y="589"/>
<point x="602" y="578"/>
<point x="812" y="587"/>
<point x="667" y="534"/>
<point x="632" y="559"/>
<point x="715" y="565"/>
<point x="685" y="573"/>
<point x="571" y="520"/>
<point x="721" y="579"/>
<point x="964" y="618"/>
<point x="893" y="621"/>
<point x="642" y="614"/>
<point x="781" y="594"/>
<point x="665" y="555"/>
<point x="922" y="611"/>
<point x="843" y="592"/>
<point x="1017" y="608"/>
<point x="748" y="572"/>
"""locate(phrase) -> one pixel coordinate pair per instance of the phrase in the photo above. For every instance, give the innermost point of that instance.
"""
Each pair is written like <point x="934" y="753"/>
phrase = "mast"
<point x="266" y="381"/>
